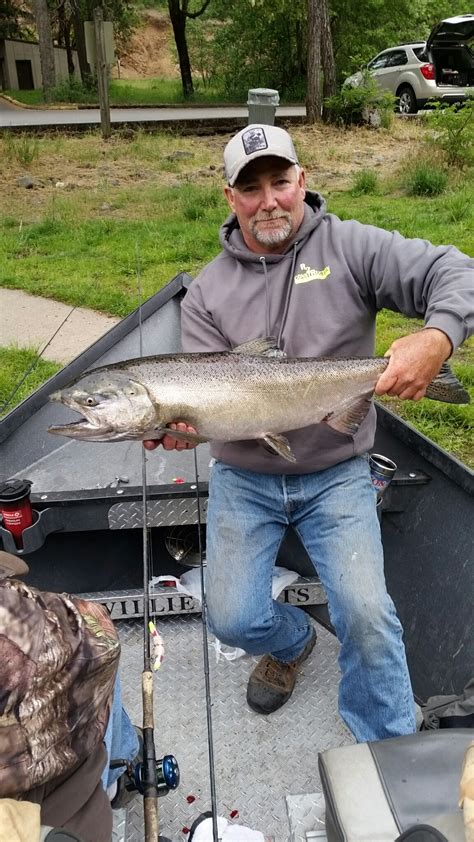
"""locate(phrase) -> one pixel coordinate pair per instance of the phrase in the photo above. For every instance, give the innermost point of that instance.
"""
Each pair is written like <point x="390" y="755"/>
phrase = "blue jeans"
<point x="334" y="514"/>
<point x="121" y="741"/>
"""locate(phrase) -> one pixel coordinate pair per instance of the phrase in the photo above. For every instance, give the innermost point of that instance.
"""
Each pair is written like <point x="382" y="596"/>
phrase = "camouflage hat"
<point x="11" y="565"/>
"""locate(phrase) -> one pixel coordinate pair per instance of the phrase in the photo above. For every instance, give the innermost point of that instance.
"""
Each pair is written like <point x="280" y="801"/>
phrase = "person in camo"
<point x="291" y="270"/>
<point x="61" y="717"/>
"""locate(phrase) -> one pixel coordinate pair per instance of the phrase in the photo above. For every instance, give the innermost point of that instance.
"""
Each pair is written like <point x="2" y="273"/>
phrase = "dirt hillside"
<point x="149" y="52"/>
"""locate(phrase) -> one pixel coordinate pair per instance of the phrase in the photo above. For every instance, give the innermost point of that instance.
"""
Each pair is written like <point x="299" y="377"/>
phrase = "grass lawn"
<point x="152" y="203"/>
<point x="15" y="363"/>
<point x="131" y="92"/>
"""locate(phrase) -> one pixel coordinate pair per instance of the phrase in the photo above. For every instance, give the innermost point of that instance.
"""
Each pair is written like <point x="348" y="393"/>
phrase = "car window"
<point x="378" y="61"/>
<point x="396" y="58"/>
<point x="419" y="52"/>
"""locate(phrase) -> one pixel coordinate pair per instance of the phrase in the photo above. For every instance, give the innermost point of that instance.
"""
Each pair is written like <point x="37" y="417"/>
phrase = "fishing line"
<point x="150" y="788"/>
<point x="35" y="362"/>
<point x="146" y="556"/>
<point x="205" y="649"/>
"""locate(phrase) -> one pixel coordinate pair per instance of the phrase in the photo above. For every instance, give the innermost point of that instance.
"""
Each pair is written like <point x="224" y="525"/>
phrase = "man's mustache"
<point x="271" y="215"/>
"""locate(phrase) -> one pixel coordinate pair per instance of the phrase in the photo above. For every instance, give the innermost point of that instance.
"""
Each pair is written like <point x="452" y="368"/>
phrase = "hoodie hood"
<point x="232" y="242"/>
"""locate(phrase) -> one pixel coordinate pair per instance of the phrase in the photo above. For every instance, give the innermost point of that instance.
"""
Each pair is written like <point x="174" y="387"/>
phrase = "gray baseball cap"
<point x="253" y="142"/>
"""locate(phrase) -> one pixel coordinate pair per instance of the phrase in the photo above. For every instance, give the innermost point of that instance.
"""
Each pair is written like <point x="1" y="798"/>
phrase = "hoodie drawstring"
<point x="287" y="298"/>
<point x="267" y="297"/>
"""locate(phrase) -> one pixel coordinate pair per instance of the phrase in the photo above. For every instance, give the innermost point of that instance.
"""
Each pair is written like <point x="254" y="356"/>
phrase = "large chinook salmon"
<point x="252" y="392"/>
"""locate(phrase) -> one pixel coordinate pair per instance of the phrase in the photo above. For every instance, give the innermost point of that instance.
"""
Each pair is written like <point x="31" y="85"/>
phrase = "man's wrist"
<point x="443" y="340"/>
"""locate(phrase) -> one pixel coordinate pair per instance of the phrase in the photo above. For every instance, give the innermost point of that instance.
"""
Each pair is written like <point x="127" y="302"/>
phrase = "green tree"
<point x="122" y="13"/>
<point x="10" y="20"/>
<point x="255" y="44"/>
<point x="179" y="15"/>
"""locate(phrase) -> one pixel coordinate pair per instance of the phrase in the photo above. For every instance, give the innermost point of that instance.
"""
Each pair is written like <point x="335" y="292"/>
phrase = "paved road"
<point x="12" y="116"/>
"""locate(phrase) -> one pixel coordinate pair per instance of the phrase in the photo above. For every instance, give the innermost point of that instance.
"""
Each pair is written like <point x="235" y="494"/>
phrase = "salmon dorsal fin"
<point x="263" y="347"/>
<point x="349" y="418"/>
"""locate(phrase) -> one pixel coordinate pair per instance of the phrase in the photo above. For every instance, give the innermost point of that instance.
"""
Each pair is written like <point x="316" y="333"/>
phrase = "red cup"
<point x="15" y="507"/>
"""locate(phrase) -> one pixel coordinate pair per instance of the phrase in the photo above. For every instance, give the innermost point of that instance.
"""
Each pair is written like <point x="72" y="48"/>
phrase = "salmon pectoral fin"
<point x="446" y="387"/>
<point x="280" y="445"/>
<point x="349" y="418"/>
<point x="193" y="438"/>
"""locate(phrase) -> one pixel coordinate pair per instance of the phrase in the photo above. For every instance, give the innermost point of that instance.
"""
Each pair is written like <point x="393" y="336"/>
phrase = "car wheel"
<point x="407" y="101"/>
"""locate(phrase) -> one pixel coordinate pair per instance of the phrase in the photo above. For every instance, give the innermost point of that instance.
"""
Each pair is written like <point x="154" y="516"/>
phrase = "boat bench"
<point x="375" y="791"/>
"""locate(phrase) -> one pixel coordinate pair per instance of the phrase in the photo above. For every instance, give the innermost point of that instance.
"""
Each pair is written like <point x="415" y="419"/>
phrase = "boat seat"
<point x="375" y="791"/>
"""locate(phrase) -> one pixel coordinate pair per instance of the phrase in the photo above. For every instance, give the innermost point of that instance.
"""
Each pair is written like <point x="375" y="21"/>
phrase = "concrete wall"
<point x="13" y="51"/>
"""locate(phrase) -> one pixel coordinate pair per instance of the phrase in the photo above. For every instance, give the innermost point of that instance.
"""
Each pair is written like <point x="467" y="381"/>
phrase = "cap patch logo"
<point x="254" y="140"/>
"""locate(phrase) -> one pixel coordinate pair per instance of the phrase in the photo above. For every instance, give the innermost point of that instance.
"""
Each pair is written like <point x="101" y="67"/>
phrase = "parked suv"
<point x="442" y="68"/>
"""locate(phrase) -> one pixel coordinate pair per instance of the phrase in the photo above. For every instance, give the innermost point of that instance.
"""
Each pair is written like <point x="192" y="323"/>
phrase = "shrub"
<point x="21" y="148"/>
<point x="364" y="182"/>
<point x="459" y="206"/>
<point x="452" y="130"/>
<point x="426" y="180"/>
<point x="71" y="89"/>
<point x="363" y="103"/>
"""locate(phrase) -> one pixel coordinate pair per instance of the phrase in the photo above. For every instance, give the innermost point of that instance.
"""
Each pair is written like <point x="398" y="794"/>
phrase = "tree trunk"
<point x="64" y="36"/>
<point x="71" y="69"/>
<point x="327" y="55"/>
<point x="313" y="71"/>
<point x="78" y="26"/>
<point x="178" y="21"/>
<point x="46" y="48"/>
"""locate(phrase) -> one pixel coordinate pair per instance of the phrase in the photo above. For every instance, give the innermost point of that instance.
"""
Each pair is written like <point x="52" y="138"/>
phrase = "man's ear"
<point x="302" y="180"/>
<point x="229" y="194"/>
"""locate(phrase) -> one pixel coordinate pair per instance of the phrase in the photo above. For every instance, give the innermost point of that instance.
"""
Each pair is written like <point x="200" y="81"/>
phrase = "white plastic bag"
<point x="227" y="832"/>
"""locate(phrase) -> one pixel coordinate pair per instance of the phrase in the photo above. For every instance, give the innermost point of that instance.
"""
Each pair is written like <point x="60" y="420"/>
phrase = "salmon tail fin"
<point x="348" y="418"/>
<point x="446" y="387"/>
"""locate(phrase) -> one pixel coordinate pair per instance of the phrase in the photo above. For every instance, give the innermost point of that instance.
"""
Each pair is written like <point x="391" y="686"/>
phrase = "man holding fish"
<point x="278" y="373"/>
<point x="292" y="271"/>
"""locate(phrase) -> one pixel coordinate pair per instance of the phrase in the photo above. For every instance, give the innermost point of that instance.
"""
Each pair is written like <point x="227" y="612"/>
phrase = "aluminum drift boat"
<point x="86" y="537"/>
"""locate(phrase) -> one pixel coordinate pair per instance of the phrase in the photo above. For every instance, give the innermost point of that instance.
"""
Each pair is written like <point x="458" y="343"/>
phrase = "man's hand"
<point x="414" y="361"/>
<point x="169" y="442"/>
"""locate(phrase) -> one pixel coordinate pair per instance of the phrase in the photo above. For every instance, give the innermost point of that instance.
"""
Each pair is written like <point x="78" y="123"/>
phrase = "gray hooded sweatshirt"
<point x="320" y="299"/>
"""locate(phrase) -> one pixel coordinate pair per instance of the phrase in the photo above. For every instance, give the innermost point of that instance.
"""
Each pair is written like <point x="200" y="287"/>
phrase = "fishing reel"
<point x="166" y="775"/>
<point x="133" y="779"/>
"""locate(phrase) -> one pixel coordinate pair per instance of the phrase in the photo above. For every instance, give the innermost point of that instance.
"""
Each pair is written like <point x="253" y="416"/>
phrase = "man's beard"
<point x="271" y="236"/>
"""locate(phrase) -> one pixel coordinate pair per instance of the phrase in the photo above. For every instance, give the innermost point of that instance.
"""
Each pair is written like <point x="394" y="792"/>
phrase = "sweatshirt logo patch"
<point x="309" y="274"/>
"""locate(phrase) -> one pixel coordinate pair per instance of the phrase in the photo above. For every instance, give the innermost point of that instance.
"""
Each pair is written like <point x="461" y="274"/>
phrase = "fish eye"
<point x="87" y="400"/>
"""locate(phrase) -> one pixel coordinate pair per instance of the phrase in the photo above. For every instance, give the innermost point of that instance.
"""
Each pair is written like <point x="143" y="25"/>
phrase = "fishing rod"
<point x="149" y="781"/>
<point x="205" y="649"/>
<point x="151" y="777"/>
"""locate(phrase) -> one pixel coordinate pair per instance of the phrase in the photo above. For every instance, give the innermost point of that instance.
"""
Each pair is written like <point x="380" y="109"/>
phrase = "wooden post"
<point x="102" y="73"/>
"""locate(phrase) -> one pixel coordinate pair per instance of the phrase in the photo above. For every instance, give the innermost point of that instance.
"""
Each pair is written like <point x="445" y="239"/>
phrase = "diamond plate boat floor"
<point x="266" y="766"/>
